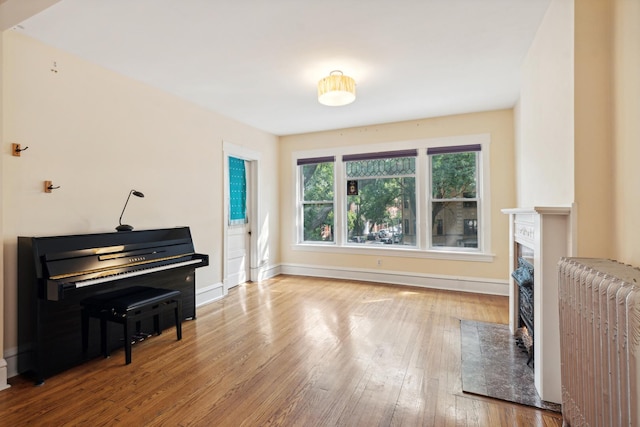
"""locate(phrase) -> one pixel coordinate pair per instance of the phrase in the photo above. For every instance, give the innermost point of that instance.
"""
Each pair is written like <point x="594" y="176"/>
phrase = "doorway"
<point x="241" y="213"/>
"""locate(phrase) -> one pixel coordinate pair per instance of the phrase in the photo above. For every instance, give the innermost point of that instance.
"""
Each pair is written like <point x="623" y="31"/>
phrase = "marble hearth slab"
<point x="494" y="366"/>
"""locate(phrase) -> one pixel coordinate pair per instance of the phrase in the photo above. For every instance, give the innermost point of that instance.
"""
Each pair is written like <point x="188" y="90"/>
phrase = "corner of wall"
<point x="3" y="375"/>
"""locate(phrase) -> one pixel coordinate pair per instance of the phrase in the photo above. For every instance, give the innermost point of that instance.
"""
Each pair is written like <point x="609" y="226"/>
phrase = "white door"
<point x="238" y="259"/>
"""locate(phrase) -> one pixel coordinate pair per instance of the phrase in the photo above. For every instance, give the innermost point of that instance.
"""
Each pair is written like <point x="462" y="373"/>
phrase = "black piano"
<point x="56" y="273"/>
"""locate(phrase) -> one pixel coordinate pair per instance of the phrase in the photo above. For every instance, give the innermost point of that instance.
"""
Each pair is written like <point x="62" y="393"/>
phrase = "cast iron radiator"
<point x="600" y="341"/>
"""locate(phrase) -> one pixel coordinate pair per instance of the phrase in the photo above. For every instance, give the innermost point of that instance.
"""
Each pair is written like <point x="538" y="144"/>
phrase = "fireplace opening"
<point x="523" y="276"/>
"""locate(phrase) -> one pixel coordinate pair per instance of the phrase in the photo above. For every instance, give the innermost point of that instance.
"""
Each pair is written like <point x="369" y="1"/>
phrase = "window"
<point x="237" y="191"/>
<point x="426" y="198"/>
<point x="381" y="198"/>
<point x="454" y="196"/>
<point x="316" y="195"/>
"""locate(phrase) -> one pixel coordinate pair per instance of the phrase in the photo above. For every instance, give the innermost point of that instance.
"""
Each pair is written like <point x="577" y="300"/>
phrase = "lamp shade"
<point x="336" y="90"/>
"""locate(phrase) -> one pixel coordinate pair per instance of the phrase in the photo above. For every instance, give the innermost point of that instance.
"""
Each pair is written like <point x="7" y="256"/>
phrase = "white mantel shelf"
<point x="546" y="231"/>
<point x="542" y="210"/>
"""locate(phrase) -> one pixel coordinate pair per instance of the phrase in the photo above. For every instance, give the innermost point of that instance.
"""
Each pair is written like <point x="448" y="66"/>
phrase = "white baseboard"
<point x="452" y="283"/>
<point x="210" y="294"/>
<point x="217" y="291"/>
<point x="3" y="375"/>
<point x="11" y="363"/>
<point x="267" y="272"/>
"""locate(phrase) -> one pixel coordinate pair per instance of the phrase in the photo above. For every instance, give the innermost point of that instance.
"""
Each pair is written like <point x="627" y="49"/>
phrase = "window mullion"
<point x="339" y="201"/>
<point x="423" y="214"/>
<point x="299" y="233"/>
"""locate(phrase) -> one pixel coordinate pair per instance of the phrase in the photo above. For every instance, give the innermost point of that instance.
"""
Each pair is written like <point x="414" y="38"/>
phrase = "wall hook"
<point x="48" y="186"/>
<point x="16" y="149"/>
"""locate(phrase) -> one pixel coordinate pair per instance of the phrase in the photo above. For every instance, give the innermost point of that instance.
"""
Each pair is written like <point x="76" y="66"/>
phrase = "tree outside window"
<point x="383" y="210"/>
<point x="317" y="199"/>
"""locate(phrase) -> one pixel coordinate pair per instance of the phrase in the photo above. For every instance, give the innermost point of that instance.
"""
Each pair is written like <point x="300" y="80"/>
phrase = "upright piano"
<point x="56" y="273"/>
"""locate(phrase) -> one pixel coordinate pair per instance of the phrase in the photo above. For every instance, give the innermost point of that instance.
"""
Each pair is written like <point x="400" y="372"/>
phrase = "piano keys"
<point x="124" y="275"/>
<point x="56" y="273"/>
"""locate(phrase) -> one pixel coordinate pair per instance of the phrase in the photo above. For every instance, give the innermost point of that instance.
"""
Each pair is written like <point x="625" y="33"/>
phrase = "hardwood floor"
<point x="291" y="351"/>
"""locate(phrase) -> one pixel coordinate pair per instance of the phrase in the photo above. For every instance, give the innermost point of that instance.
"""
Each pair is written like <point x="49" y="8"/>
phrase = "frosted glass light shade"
<point x="336" y="90"/>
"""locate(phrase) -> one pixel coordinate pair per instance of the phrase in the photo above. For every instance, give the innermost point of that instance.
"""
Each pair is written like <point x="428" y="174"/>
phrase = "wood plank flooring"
<point x="290" y="351"/>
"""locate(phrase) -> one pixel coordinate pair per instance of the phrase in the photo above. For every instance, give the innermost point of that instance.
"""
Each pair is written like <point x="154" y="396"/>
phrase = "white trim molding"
<point x="10" y="367"/>
<point x="4" y="374"/>
<point x="432" y="281"/>
<point x="215" y="292"/>
<point x="265" y="272"/>
<point x="209" y="294"/>
<point x="546" y="233"/>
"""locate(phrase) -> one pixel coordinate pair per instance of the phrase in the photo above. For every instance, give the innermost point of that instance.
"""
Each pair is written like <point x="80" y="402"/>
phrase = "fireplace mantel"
<point x="546" y="232"/>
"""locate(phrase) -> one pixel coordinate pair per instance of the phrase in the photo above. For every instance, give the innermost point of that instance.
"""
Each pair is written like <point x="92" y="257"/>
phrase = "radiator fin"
<point x="599" y="303"/>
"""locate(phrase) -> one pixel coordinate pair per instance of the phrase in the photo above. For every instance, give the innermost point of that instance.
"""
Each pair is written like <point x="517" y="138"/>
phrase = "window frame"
<point x="301" y="203"/>
<point x="423" y="248"/>
<point x="478" y="199"/>
<point x="380" y="156"/>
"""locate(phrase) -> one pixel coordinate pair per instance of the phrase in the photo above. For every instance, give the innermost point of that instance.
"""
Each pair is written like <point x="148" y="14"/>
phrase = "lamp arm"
<point x="125" y="207"/>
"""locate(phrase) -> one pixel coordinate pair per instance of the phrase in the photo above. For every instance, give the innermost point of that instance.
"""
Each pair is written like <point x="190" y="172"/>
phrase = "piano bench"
<point x="129" y="307"/>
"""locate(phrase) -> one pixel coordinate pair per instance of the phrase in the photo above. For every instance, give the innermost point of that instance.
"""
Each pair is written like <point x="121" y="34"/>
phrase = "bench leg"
<point x="178" y="315"/>
<point x="128" y="328"/>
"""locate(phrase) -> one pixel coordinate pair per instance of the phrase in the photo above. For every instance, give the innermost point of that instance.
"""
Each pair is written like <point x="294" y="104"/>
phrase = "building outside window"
<point x="454" y="196"/>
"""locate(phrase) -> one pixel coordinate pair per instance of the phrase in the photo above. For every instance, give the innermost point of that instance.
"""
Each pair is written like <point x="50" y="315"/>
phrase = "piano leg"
<point x="104" y="337"/>
<point x="85" y="331"/>
<point x="156" y="324"/>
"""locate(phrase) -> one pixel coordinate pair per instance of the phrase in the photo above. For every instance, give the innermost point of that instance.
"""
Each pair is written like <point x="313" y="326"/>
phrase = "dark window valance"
<point x="454" y="149"/>
<point x="380" y="155"/>
<point x="316" y="160"/>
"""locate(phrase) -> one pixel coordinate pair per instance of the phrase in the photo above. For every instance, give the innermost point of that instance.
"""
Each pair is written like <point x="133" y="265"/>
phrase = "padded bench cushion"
<point x="130" y="298"/>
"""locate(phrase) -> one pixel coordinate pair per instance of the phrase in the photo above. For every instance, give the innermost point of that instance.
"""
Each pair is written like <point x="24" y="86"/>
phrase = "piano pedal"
<point x="139" y="336"/>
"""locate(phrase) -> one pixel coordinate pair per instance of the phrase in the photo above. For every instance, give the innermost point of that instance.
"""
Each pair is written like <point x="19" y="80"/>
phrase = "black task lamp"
<point x="125" y="227"/>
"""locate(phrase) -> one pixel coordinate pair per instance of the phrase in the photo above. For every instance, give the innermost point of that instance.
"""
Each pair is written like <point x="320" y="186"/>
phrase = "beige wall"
<point x="497" y="123"/>
<point x="544" y="114"/>
<point x="593" y="147"/>
<point x="98" y="135"/>
<point x="626" y="130"/>
<point x="577" y="123"/>
<point x="11" y="12"/>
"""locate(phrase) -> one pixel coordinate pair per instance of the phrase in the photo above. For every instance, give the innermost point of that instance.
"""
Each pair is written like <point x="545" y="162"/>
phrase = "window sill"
<point x="400" y="252"/>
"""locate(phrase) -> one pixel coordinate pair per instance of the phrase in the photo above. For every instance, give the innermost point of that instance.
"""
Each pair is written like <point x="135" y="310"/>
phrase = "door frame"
<point x="253" y="159"/>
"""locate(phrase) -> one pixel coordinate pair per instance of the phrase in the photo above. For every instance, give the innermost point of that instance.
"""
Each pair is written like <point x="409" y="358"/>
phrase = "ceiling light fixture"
<point x="336" y="90"/>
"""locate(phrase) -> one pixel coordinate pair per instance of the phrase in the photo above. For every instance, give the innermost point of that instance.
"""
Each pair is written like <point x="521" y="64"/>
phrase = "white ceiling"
<point x="259" y="61"/>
